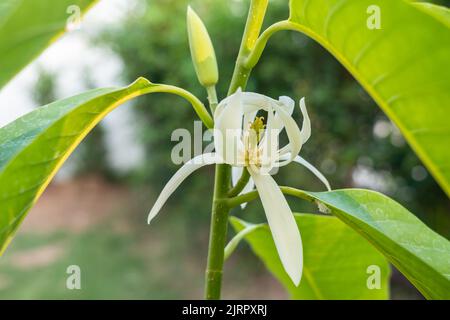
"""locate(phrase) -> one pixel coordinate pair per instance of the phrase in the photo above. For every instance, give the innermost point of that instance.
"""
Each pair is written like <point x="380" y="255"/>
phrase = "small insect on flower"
<point x="245" y="142"/>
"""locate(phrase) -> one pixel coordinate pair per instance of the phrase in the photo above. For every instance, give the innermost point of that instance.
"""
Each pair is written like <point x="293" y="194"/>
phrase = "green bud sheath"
<point x="202" y="50"/>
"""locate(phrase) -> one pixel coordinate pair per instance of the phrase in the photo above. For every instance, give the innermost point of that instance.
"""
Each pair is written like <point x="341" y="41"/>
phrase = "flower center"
<point x="252" y="136"/>
<point x="258" y="126"/>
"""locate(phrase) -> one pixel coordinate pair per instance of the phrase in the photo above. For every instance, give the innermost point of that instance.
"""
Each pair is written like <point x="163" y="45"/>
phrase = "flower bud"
<point x="202" y="50"/>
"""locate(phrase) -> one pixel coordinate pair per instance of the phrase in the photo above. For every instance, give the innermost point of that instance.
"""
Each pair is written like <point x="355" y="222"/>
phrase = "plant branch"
<point x="242" y="198"/>
<point x="231" y="246"/>
<point x="252" y="195"/>
<point x="240" y="184"/>
<point x="252" y="29"/>
<point x="218" y="233"/>
<point x="220" y="208"/>
<point x="254" y="56"/>
<point x="198" y="106"/>
<point x="212" y="98"/>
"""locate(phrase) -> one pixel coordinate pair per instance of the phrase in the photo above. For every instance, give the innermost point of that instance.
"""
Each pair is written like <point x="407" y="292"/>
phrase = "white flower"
<point x="244" y="142"/>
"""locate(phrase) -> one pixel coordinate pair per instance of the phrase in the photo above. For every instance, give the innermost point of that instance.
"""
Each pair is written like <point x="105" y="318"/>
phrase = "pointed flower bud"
<point x="202" y="50"/>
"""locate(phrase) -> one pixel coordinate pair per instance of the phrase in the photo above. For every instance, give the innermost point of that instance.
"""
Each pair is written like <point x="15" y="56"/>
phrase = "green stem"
<point x="231" y="246"/>
<point x="218" y="233"/>
<point x="212" y="98"/>
<point x="220" y="208"/>
<point x="240" y="184"/>
<point x="253" y="26"/>
<point x="252" y="195"/>
<point x="198" y="106"/>
<point x="255" y="54"/>
<point x="242" y="198"/>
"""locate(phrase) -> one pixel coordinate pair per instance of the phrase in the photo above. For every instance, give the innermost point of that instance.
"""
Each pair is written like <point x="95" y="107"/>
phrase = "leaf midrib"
<point x="435" y="169"/>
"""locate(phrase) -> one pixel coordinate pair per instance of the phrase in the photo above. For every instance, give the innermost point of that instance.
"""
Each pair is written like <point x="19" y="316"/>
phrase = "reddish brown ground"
<point x="84" y="202"/>
<point x="75" y="205"/>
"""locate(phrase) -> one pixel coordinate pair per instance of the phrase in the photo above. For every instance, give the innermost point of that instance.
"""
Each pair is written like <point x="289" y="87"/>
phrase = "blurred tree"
<point x="352" y="142"/>
<point x="44" y="90"/>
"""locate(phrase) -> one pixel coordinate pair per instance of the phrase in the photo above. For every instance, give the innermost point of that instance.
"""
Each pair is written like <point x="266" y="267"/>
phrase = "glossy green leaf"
<point x="338" y="263"/>
<point x="34" y="147"/>
<point x="27" y="27"/>
<point x="403" y="65"/>
<point x="439" y="12"/>
<point x="418" y="252"/>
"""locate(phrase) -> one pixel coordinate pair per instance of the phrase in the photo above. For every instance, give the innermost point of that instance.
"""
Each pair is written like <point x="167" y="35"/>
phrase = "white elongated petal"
<point x="182" y="173"/>
<point x="293" y="132"/>
<point x="227" y="102"/>
<point x="228" y="128"/>
<point x="305" y="134"/>
<point x="288" y="105"/>
<point x="313" y="170"/>
<point x="282" y="225"/>
<point x="257" y="100"/>
<point x="285" y="103"/>
<point x="249" y="117"/>
<point x="269" y="145"/>
<point x="252" y="103"/>
<point x="236" y="173"/>
<point x="248" y="187"/>
<point x="306" y="125"/>
<point x="224" y="103"/>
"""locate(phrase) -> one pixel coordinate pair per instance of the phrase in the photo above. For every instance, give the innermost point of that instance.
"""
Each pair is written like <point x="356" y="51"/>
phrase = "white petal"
<point x="257" y="100"/>
<point x="228" y="128"/>
<point x="252" y="103"/>
<point x="276" y="123"/>
<point x="306" y="126"/>
<point x="293" y="132"/>
<point x="305" y="133"/>
<point x="269" y="144"/>
<point x="288" y="105"/>
<point x="223" y="103"/>
<point x="249" y="117"/>
<point x="236" y="173"/>
<point x="178" y="178"/>
<point x="282" y="225"/>
<point x="313" y="170"/>
<point x="248" y="187"/>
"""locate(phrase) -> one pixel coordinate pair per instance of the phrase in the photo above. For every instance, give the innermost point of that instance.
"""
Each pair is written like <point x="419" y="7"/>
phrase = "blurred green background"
<point x="353" y="143"/>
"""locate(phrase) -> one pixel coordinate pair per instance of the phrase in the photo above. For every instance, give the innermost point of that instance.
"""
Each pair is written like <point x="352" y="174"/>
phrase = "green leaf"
<point x="418" y="252"/>
<point x="27" y="27"/>
<point x="403" y="65"/>
<point x="336" y="260"/>
<point x="439" y="12"/>
<point x="35" y="146"/>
